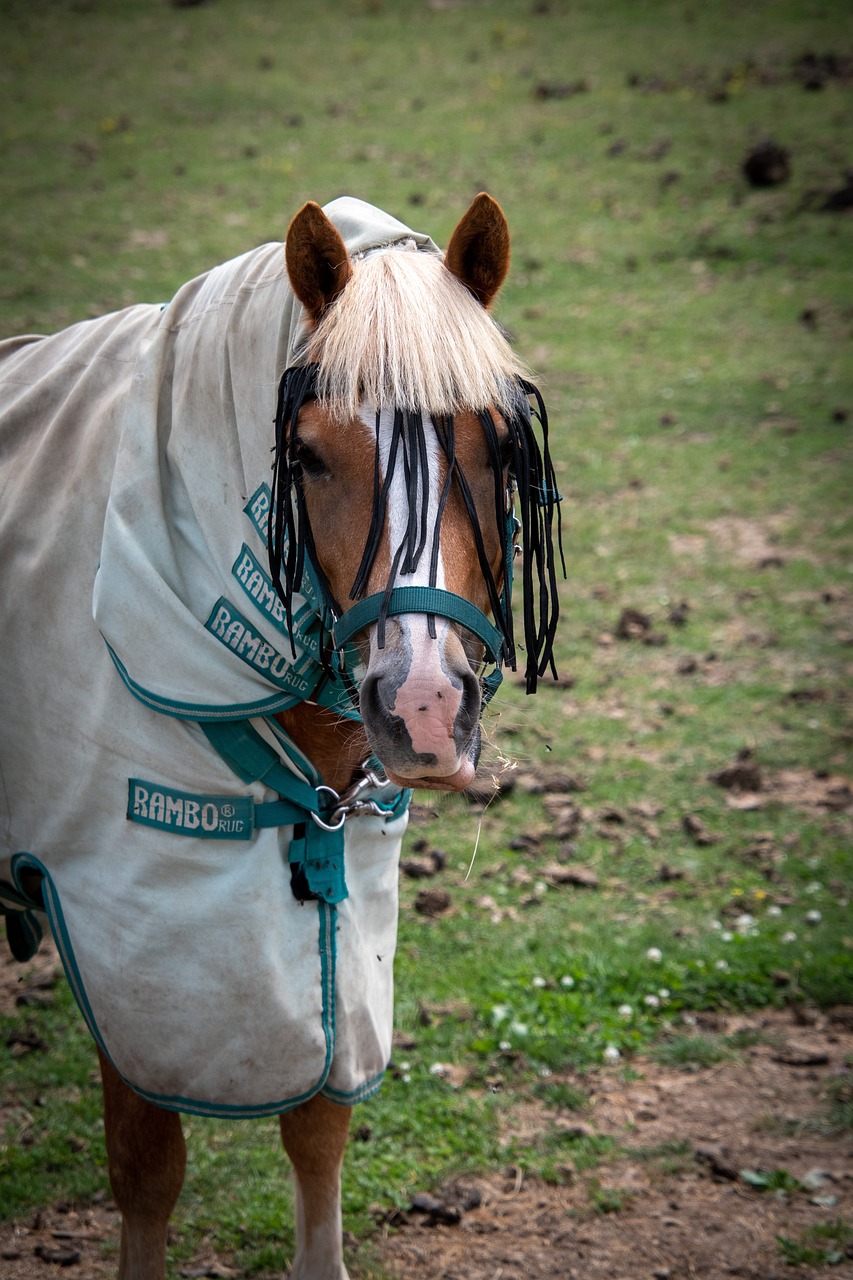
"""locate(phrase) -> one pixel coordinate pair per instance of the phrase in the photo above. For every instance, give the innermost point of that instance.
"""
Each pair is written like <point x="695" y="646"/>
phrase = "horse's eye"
<point x="310" y="461"/>
<point x="507" y="451"/>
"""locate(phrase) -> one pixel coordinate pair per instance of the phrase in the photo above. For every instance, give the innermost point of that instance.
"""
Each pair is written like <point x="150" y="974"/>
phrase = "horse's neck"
<point x="335" y="746"/>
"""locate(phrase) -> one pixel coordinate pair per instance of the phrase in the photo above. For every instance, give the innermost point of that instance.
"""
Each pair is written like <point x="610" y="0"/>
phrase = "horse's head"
<point x="401" y="442"/>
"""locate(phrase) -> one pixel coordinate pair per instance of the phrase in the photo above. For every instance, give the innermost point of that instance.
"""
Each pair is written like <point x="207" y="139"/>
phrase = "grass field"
<point x="692" y="336"/>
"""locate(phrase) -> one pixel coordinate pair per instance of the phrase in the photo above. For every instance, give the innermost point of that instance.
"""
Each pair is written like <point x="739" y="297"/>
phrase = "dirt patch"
<point x="30" y="983"/>
<point x="674" y="1206"/>
<point x="671" y="1206"/>
<point x="749" y="542"/>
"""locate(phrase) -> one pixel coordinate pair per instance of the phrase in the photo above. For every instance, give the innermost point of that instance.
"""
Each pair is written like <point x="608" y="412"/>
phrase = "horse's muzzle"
<point x="422" y="717"/>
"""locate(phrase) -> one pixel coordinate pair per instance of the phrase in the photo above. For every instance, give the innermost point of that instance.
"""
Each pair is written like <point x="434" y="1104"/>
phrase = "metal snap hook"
<point x="338" y="812"/>
<point x="350" y="803"/>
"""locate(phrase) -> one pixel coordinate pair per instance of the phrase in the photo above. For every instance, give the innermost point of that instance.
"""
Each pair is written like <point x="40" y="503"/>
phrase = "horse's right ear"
<point x="318" y="264"/>
<point x="478" y="253"/>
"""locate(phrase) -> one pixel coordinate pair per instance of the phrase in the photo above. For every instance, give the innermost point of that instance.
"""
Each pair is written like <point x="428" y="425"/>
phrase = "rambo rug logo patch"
<point x="186" y="814"/>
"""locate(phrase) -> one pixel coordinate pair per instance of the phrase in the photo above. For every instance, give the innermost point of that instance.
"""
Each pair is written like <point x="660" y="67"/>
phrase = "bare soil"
<point x="677" y="1214"/>
<point x="677" y="1207"/>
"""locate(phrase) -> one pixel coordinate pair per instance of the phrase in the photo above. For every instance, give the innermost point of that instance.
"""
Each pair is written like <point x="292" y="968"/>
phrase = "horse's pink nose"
<point x="421" y="724"/>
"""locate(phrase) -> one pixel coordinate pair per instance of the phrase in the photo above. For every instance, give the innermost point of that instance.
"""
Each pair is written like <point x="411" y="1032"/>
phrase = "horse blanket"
<point x="139" y="626"/>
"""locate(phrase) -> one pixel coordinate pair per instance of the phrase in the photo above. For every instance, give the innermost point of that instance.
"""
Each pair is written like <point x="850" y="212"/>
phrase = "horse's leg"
<point x="147" y="1158"/>
<point x="314" y="1137"/>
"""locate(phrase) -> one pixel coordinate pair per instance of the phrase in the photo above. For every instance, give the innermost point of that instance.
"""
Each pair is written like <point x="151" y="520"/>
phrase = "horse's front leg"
<point x="147" y="1159"/>
<point x="314" y="1137"/>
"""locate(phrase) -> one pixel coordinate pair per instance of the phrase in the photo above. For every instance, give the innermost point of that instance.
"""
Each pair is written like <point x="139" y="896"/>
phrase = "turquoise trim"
<point x="367" y="1090"/>
<point x="419" y="600"/>
<point x="327" y="947"/>
<point x="53" y="911"/>
<point x="195" y="711"/>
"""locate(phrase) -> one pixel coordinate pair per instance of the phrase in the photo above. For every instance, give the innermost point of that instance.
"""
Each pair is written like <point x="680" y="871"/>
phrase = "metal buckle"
<point x="349" y="805"/>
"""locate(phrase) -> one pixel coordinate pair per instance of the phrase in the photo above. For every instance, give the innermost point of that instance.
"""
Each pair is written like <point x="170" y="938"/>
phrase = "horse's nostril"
<point x="370" y="699"/>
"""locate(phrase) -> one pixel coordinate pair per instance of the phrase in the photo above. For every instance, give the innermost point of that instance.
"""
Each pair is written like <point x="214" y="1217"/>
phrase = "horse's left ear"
<point x="478" y="253"/>
<point x="318" y="264"/>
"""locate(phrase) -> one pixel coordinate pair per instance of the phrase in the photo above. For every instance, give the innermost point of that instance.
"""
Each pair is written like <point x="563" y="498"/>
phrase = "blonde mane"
<point x="406" y="334"/>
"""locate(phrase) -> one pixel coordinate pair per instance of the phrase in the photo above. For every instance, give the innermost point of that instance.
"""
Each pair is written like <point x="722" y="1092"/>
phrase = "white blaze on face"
<point x="427" y="699"/>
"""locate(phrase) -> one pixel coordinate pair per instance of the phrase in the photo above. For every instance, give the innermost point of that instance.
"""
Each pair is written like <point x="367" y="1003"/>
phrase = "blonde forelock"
<point x="406" y="334"/>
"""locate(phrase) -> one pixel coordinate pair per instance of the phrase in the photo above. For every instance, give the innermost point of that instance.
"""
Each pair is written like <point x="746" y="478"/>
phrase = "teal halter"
<point x="419" y="600"/>
<point x="443" y="604"/>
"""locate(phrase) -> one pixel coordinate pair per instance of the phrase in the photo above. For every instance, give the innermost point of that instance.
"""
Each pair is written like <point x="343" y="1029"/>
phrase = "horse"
<point x="258" y="547"/>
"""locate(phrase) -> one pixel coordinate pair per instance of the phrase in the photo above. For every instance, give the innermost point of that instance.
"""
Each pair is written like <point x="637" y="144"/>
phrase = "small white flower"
<point x="500" y="1013"/>
<point x="722" y="965"/>
<point x="813" y="917"/>
<point x="774" y="910"/>
<point x="715" y="924"/>
<point x="567" y="980"/>
<point x="744" y="923"/>
<point x="438" y="1069"/>
<point x="655" y="955"/>
<point x="518" y="1028"/>
<point x="652" y="1001"/>
<point x="406" y="1078"/>
<point x="539" y="982"/>
<point x="664" y="993"/>
<point x="726" y="936"/>
<point x="625" y="1011"/>
<point x="789" y="937"/>
<point x="611" y="1054"/>
<point x="545" y="1072"/>
<point x="814" y="886"/>
<point x="504" y="1046"/>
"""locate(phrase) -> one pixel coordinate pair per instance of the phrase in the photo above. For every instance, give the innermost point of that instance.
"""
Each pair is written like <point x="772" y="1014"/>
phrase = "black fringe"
<point x="531" y="475"/>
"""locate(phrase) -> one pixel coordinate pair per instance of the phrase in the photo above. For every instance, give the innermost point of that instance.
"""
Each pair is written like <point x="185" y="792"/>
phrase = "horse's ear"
<point x="318" y="264"/>
<point x="478" y="253"/>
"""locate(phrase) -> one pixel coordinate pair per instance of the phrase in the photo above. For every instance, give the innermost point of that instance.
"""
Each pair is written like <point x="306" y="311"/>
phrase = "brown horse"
<point x="405" y="465"/>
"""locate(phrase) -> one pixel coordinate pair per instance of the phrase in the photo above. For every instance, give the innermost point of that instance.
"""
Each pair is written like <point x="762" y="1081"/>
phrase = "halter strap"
<point x="318" y="814"/>
<point x="419" y="600"/>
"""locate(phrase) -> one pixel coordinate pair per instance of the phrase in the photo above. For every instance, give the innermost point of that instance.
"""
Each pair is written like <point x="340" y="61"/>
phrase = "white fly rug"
<point x="134" y="460"/>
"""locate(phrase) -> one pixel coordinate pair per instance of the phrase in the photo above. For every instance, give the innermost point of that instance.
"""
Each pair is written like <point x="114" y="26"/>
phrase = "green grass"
<point x="692" y="338"/>
<point x="825" y="1244"/>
